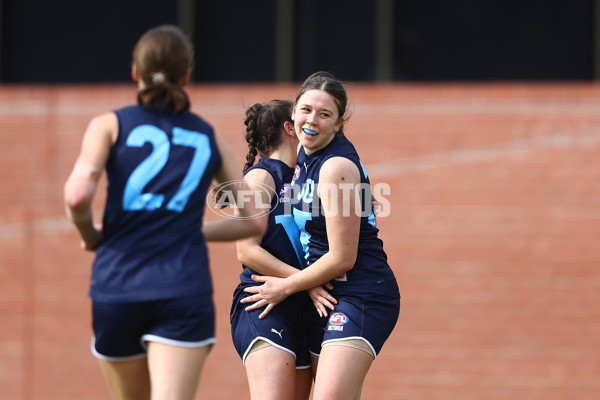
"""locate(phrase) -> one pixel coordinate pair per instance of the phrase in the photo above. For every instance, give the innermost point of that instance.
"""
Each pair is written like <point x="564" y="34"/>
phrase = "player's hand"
<point x="322" y="299"/>
<point x="376" y="206"/>
<point x="272" y="292"/>
<point x="92" y="239"/>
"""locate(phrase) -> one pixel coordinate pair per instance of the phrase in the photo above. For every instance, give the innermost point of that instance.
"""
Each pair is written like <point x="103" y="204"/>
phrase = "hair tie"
<point x="158" y="77"/>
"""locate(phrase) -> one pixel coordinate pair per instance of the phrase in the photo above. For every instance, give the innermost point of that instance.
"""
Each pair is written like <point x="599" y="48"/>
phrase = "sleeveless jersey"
<point x="282" y="236"/>
<point x="371" y="272"/>
<point x="159" y="171"/>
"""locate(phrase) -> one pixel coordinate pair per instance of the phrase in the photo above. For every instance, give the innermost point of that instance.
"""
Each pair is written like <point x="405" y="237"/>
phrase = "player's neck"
<point x="285" y="154"/>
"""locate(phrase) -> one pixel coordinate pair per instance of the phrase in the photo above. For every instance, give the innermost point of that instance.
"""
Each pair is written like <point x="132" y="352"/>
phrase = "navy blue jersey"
<point x="159" y="171"/>
<point x="282" y="236"/>
<point x="371" y="272"/>
<point x="284" y="326"/>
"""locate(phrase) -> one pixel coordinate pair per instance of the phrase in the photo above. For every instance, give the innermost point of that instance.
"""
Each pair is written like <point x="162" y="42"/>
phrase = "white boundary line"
<point x="474" y="105"/>
<point x="514" y="148"/>
<point x="50" y="225"/>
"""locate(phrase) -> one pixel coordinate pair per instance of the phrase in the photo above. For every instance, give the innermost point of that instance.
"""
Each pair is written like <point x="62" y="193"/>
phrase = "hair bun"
<point x="158" y="77"/>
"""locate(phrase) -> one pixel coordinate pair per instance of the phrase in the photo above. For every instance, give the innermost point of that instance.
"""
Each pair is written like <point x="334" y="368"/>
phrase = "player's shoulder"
<point x="109" y="117"/>
<point x="339" y="169"/>
<point x="260" y="176"/>
<point x="105" y="125"/>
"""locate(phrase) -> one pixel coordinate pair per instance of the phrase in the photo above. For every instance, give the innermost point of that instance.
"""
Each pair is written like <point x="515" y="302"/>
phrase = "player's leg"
<point x="178" y="343"/>
<point x="341" y="373"/>
<point x="117" y="331"/>
<point x="127" y="380"/>
<point x="304" y="368"/>
<point x="175" y="371"/>
<point x="271" y="373"/>
<point x="304" y="379"/>
<point x="314" y="362"/>
<point x="352" y="338"/>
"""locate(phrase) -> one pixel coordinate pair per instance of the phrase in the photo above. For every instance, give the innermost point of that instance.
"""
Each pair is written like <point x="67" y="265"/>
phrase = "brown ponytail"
<point x="264" y="123"/>
<point x="162" y="57"/>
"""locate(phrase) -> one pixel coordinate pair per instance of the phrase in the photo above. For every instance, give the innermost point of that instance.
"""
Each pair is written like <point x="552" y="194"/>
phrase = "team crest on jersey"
<point x="337" y="321"/>
<point x="284" y="193"/>
<point x="296" y="172"/>
<point x="342" y="278"/>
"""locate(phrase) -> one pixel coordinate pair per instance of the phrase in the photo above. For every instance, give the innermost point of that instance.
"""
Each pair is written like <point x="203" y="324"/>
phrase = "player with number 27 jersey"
<point x="160" y="165"/>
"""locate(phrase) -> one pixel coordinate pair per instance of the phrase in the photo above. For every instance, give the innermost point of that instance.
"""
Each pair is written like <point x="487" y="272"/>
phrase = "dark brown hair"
<point x="162" y="57"/>
<point x="325" y="81"/>
<point x="264" y="122"/>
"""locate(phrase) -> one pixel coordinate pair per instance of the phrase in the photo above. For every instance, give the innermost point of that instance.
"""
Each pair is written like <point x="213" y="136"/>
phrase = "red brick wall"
<point x="494" y="237"/>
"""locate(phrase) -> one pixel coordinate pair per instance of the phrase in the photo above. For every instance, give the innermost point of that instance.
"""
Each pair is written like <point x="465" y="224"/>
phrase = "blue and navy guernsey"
<point x="371" y="273"/>
<point x="282" y="236"/>
<point x="286" y="325"/>
<point x="159" y="171"/>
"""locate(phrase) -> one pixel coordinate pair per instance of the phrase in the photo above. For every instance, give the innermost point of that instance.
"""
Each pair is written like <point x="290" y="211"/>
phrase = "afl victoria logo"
<point x="338" y="318"/>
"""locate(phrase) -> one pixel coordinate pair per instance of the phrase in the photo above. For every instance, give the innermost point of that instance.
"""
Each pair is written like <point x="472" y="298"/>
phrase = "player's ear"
<point x="289" y="128"/>
<point x="134" y="74"/>
<point x="186" y="77"/>
<point x="338" y="125"/>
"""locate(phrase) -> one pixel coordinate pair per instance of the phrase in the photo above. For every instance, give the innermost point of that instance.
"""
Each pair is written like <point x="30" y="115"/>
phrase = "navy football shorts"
<point x="285" y="327"/>
<point x="122" y="329"/>
<point x="370" y="318"/>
